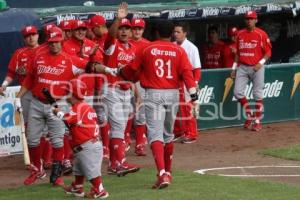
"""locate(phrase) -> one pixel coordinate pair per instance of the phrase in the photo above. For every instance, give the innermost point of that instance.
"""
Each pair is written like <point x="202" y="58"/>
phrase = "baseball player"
<point x="253" y="50"/>
<point x="229" y="50"/>
<point x="51" y="70"/>
<point x="187" y="130"/>
<point x="66" y="27"/>
<point x="162" y="66"/>
<point x="98" y="26"/>
<point x="87" y="147"/>
<point x="138" y="27"/>
<point x="119" y="52"/>
<point x="211" y="51"/>
<point x="18" y="67"/>
<point x="79" y="45"/>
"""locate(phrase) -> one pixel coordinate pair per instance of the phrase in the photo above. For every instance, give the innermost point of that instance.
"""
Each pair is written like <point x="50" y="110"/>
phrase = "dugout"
<point x="12" y="20"/>
<point x="280" y="19"/>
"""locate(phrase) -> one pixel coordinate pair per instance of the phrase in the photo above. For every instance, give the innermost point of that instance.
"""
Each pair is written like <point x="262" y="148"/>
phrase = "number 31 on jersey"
<point x="163" y="68"/>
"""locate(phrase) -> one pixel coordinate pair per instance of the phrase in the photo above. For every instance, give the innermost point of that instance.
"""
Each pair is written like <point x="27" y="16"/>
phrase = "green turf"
<point x="186" y="185"/>
<point x="290" y="153"/>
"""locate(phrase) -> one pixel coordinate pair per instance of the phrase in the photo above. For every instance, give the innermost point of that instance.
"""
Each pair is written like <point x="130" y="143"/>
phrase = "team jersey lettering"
<point x="41" y="69"/>
<point x="158" y="52"/>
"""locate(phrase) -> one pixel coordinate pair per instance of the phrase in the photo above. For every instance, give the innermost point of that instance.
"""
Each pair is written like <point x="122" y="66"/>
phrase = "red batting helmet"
<point x="77" y="88"/>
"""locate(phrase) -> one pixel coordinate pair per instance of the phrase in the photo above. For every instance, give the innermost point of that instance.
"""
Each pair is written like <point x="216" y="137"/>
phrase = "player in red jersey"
<point x="87" y="147"/>
<point x="66" y="27"/>
<point x="138" y="27"/>
<point x="99" y="28"/>
<point x="253" y="50"/>
<point x="118" y="52"/>
<point x="229" y="51"/>
<point x="162" y="66"/>
<point x="51" y="70"/>
<point x="211" y="51"/>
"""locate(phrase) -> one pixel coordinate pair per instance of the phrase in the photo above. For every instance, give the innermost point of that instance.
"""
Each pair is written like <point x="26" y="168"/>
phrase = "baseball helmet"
<point x="77" y="88"/>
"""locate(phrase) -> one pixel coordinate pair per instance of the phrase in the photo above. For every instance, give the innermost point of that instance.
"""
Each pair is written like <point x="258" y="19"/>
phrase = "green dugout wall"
<point x="281" y="97"/>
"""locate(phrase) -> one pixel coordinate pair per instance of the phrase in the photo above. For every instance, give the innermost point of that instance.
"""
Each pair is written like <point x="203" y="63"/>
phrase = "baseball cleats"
<point x="187" y="140"/>
<point x="162" y="182"/>
<point x="59" y="182"/>
<point x="248" y="121"/>
<point x="94" y="194"/>
<point x="140" y="150"/>
<point x="34" y="175"/>
<point x="178" y="138"/>
<point x="256" y="126"/>
<point x="126" y="168"/>
<point x="75" y="190"/>
<point x="111" y="171"/>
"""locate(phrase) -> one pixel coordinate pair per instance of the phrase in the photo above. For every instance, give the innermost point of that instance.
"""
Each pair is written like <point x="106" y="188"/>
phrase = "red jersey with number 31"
<point x="83" y="123"/>
<point x="252" y="46"/>
<point x="162" y="65"/>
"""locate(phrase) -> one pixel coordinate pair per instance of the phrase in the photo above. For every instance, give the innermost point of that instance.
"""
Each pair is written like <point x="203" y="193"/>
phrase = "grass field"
<point x="290" y="153"/>
<point x="185" y="186"/>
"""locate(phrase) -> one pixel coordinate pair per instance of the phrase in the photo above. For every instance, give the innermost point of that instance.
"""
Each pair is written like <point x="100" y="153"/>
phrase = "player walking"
<point x="253" y="50"/>
<point x="162" y="66"/>
<point x="87" y="147"/>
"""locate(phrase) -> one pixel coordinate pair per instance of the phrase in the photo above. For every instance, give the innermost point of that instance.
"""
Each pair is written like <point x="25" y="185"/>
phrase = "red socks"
<point x="104" y="130"/>
<point x="245" y="104"/>
<point x="168" y="156"/>
<point x="258" y="109"/>
<point x="157" y="148"/>
<point x="117" y="151"/>
<point x="58" y="154"/>
<point x="35" y="156"/>
<point x="140" y="131"/>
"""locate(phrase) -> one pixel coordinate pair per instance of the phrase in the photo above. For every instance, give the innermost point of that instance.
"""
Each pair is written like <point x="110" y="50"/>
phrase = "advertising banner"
<point x="219" y="108"/>
<point x="10" y="129"/>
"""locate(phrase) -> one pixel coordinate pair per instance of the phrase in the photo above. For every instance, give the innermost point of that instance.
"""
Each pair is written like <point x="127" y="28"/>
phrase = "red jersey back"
<point x="252" y="46"/>
<point x="83" y="123"/>
<point x="163" y="65"/>
<point x="211" y="55"/>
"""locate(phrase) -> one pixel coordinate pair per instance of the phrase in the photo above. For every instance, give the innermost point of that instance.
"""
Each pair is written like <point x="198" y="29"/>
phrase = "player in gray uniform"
<point x="253" y="50"/>
<point x="88" y="149"/>
<point x="162" y="65"/>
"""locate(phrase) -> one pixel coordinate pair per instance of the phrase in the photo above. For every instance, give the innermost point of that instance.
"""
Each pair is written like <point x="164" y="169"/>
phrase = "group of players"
<point x="112" y="81"/>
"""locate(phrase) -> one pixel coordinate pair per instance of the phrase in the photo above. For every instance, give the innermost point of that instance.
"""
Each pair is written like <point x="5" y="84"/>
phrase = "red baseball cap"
<point x="232" y="31"/>
<point x="78" y="24"/>
<point x="27" y="30"/>
<point x="125" y="22"/>
<point x="97" y="20"/>
<point x="138" y="23"/>
<point x="55" y="35"/>
<point x="65" y="25"/>
<point x="251" y="14"/>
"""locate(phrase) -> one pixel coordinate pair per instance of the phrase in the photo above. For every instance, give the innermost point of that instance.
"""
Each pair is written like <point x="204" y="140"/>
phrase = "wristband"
<point x="262" y="61"/>
<point x="234" y="66"/>
<point x="60" y="114"/>
<point x="5" y="83"/>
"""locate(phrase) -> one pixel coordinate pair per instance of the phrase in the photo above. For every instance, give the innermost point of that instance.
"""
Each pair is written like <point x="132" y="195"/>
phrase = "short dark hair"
<point x="183" y="25"/>
<point x="212" y="28"/>
<point x="165" y="29"/>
